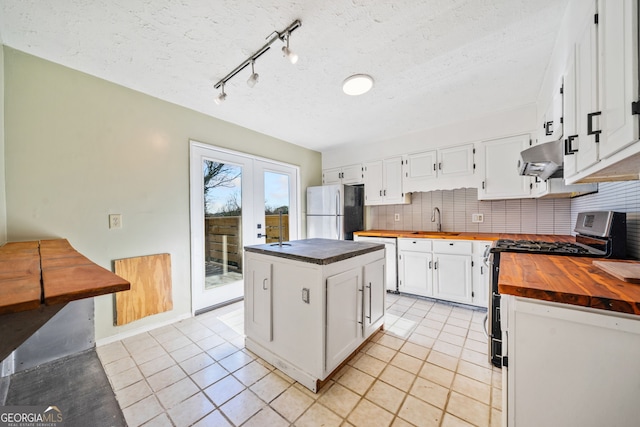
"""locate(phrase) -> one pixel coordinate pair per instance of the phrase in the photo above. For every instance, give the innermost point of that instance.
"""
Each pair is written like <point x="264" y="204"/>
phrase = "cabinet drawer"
<point x="452" y="247"/>
<point x="480" y="246"/>
<point x="419" y="245"/>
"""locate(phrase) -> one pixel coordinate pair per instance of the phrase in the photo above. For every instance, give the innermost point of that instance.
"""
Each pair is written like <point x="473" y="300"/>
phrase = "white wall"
<point x="506" y="123"/>
<point x="79" y="148"/>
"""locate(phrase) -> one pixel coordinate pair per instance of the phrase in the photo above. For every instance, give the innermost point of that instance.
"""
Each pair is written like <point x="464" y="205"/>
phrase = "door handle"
<point x="264" y="284"/>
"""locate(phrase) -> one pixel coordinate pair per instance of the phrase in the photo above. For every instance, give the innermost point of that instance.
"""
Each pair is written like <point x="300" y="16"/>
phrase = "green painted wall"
<point x="78" y="148"/>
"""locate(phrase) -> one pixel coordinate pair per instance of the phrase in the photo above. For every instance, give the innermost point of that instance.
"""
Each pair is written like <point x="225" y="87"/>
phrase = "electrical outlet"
<point x="477" y="217"/>
<point x="115" y="221"/>
<point x="396" y="217"/>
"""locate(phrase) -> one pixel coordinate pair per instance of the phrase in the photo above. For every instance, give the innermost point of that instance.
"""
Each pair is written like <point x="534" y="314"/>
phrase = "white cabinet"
<point x="353" y="174"/>
<point x="373" y="295"/>
<point x="606" y="86"/>
<point x="443" y="269"/>
<point x="383" y="182"/>
<point x="344" y="314"/>
<point x="306" y="318"/>
<point x="258" y="300"/>
<point x="480" y="273"/>
<point x="502" y="179"/>
<point x="618" y="73"/>
<point x="552" y="121"/>
<point x="391" y="257"/>
<point x="415" y="266"/>
<point x="437" y="169"/>
<point x="564" y="360"/>
<point x="452" y="270"/>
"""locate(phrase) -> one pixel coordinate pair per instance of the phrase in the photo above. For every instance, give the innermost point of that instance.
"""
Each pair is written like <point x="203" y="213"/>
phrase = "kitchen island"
<point x="311" y="304"/>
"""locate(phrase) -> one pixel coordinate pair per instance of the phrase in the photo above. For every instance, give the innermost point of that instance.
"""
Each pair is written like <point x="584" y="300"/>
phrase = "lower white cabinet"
<point x="444" y="269"/>
<point x="480" y="273"/>
<point x="452" y="277"/>
<point x="569" y="365"/>
<point x="306" y="319"/>
<point x="391" y="257"/>
<point x="415" y="266"/>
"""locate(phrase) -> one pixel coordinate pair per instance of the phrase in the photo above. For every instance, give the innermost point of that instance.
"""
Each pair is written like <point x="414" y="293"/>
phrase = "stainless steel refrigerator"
<point x="335" y="211"/>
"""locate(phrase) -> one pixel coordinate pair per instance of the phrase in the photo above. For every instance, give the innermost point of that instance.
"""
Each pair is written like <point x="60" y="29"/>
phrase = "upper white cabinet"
<point x="605" y="66"/>
<point x="437" y="169"/>
<point x="502" y="179"/>
<point x="618" y="77"/>
<point x="552" y="121"/>
<point x="383" y="182"/>
<point x="353" y="174"/>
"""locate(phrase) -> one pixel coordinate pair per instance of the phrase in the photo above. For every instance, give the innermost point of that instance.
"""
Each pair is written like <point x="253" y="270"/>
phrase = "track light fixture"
<point x="283" y="36"/>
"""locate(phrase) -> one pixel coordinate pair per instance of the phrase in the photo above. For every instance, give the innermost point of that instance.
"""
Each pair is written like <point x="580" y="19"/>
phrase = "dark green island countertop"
<point x="316" y="251"/>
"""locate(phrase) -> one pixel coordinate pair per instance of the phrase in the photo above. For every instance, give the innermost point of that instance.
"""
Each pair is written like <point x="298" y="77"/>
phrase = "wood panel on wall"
<point x="150" y="292"/>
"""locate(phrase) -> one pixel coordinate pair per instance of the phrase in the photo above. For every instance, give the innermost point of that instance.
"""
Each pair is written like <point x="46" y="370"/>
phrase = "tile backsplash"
<point x="541" y="216"/>
<point x="533" y="216"/>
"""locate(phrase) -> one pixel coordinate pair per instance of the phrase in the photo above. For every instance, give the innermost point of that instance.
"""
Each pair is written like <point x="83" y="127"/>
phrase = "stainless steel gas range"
<point x="601" y="234"/>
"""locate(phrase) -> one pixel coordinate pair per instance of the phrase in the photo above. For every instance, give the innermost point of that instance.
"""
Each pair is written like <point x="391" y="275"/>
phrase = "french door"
<point x="236" y="200"/>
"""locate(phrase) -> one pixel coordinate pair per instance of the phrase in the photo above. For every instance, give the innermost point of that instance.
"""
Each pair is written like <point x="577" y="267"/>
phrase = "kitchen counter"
<point x="316" y="251"/>
<point x="454" y="235"/>
<point x="566" y="279"/>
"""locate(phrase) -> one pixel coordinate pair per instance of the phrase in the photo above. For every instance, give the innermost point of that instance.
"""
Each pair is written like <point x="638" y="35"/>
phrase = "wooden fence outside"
<point x="223" y="241"/>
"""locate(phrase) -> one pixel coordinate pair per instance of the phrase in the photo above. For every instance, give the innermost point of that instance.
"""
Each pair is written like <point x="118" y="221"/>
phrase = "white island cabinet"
<point x="310" y="304"/>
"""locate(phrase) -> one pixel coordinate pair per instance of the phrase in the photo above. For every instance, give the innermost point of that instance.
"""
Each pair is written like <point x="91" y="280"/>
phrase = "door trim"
<point x="196" y="208"/>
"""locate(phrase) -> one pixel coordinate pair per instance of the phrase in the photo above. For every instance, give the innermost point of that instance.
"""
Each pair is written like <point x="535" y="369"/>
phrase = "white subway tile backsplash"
<point x="552" y="216"/>
<point x="526" y="216"/>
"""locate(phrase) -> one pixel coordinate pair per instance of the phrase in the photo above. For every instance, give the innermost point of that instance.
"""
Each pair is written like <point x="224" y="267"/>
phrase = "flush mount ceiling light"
<point x="357" y="84"/>
<point x="283" y="36"/>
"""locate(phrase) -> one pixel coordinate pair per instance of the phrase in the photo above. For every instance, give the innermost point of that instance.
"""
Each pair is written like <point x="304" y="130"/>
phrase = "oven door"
<point x="494" y="331"/>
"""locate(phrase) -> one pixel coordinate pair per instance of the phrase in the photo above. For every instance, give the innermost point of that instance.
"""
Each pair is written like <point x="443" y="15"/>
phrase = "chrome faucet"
<point x="433" y="218"/>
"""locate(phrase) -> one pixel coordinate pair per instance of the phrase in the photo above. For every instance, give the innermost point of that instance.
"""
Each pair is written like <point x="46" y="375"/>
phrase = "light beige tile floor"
<point x="428" y="368"/>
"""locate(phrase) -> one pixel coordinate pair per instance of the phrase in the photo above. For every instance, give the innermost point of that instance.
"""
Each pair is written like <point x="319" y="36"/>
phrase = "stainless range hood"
<point x="542" y="160"/>
<point x="545" y="161"/>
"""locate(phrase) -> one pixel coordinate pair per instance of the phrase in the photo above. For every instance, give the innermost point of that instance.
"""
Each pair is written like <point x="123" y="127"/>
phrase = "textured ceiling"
<point x="434" y="62"/>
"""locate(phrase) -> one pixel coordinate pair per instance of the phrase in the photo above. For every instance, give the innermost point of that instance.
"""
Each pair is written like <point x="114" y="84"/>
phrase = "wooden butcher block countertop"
<point x="454" y="235"/>
<point x="50" y="272"/>
<point x="566" y="279"/>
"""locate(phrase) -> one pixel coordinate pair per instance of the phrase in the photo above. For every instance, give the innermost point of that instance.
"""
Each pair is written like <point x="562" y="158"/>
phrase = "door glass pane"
<point x="276" y="206"/>
<point x="223" y="223"/>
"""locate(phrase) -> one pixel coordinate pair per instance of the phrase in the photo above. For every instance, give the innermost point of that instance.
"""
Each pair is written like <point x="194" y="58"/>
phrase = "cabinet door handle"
<point x="568" y="145"/>
<point x="264" y="284"/>
<point x="440" y="166"/>
<point x="548" y="128"/>
<point x="483" y="185"/>
<point x="430" y="264"/>
<point x="481" y="270"/>
<point x="435" y="265"/>
<point x="380" y="193"/>
<point x="590" y="130"/>
<point x="369" y="316"/>
<point x="384" y="193"/>
<point x="434" y="166"/>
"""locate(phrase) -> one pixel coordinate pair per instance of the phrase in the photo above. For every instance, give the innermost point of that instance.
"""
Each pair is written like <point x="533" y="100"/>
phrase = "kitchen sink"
<point x="435" y="233"/>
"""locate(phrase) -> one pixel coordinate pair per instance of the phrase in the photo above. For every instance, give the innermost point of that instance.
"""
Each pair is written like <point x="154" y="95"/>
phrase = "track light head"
<point x="253" y="78"/>
<point x="288" y="53"/>
<point x="221" y="97"/>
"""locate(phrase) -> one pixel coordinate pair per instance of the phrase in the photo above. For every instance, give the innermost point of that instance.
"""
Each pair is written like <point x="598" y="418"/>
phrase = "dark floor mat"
<point x="76" y="384"/>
